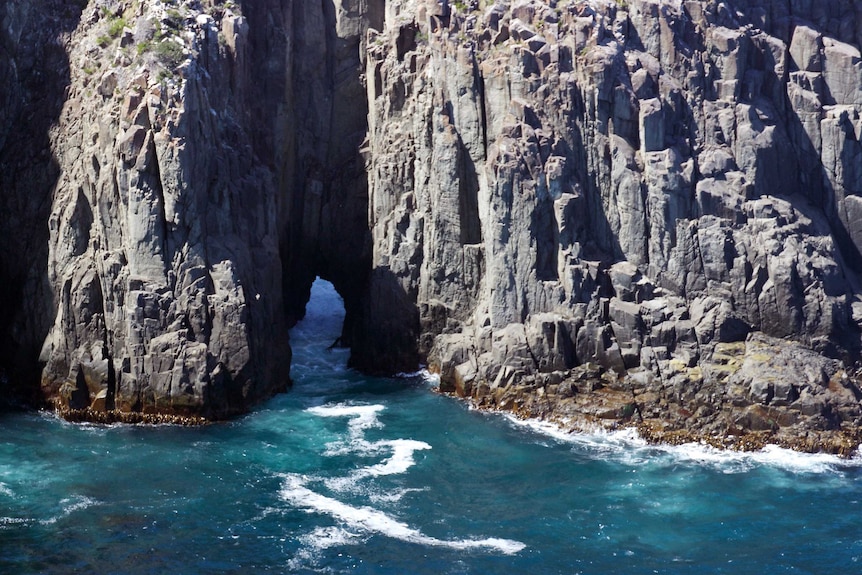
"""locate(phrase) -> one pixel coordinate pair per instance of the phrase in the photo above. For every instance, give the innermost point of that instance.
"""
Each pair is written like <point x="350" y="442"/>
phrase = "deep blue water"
<point x="349" y="474"/>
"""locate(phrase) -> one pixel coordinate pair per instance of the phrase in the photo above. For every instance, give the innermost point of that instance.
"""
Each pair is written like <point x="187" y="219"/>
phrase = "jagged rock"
<point x="506" y="194"/>
<point x="805" y="49"/>
<point x="678" y="166"/>
<point x="842" y="71"/>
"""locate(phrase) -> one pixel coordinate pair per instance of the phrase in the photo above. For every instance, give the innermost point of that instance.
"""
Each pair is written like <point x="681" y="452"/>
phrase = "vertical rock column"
<point x="163" y="231"/>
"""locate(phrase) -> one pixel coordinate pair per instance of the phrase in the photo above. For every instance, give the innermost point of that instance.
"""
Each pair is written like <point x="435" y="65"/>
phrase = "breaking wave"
<point x="629" y="448"/>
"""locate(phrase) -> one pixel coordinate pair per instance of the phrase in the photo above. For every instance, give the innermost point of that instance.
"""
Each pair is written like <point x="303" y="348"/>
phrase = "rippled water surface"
<point x="348" y="474"/>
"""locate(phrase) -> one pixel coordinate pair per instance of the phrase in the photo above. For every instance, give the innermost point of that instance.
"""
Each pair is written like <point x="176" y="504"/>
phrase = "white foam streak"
<point x="423" y="373"/>
<point x="368" y="519"/>
<point x="628" y="447"/>
<point x="362" y="416"/>
<point x="71" y="505"/>
<point x="400" y="461"/>
<point x="365" y="417"/>
<point x="374" y="521"/>
<point x="11" y="521"/>
<point x="316" y="542"/>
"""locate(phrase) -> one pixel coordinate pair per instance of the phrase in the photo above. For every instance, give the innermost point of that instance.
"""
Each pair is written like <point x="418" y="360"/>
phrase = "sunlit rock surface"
<point x="543" y="200"/>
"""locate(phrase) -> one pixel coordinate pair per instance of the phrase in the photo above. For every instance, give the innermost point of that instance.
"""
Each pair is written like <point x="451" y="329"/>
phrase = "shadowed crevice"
<point x="35" y="60"/>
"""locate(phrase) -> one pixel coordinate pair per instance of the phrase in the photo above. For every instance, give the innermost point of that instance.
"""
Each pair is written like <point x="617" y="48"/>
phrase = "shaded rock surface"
<point x="34" y="72"/>
<point x="620" y="212"/>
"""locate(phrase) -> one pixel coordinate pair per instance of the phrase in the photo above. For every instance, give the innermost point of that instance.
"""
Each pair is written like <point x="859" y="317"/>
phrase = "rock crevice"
<point x="641" y="194"/>
<point x="590" y="210"/>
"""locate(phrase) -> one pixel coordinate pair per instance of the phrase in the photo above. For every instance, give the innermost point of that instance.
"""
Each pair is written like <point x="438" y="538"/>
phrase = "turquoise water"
<point x="348" y="474"/>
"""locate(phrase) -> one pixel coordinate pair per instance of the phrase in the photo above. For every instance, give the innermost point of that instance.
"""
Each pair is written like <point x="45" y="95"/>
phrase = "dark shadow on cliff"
<point x="384" y="337"/>
<point x="324" y="196"/>
<point x="309" y="132"/>
<point x="28" y="174"/>
<point x="381" y="323"/>
<point x="599" y="242"/>
<point x="806" y="177"/>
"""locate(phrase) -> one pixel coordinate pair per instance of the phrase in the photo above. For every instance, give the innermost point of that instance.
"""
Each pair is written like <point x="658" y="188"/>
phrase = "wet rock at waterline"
<point x="636" y="211"/>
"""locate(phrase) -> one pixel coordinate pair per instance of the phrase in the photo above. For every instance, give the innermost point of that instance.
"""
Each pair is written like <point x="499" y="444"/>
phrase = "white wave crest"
<point x="11" y="522"/>
<point x="422" y="372"/>
<point x="362" y="417"/>
<point x="771" y="455"/>
<point x="371" y="520"/>
<point x="5" y="490"/>
<point x="71" y="505"/>
<point x="629" y="448"/>
<point x="400" y="461"/>
<point x="432" y="379"/>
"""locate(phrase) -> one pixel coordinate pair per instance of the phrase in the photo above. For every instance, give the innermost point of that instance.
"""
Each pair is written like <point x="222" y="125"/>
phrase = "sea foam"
<point x="13" y="521"/>
<point x="5" y="490"/>
<point x="629" y="448"/>
<point x="71" y="505"/>
<point x="364" y="417"/>
<point x="368" y="519"/>
<point x="371" y="520"/>
<point x="401" y="459"/>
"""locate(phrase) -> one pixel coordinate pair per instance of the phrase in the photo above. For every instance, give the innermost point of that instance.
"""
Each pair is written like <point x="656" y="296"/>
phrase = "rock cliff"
<point x="664" y="190"/>
<point x="157" y="232"/>
<point x="597" y="212"/>
<point x="34" y="72"/>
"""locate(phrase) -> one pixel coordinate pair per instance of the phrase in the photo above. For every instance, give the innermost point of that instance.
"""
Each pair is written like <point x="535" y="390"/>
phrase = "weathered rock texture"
<point x="163" y="232"/>
<point x="174" y="176"/>
<point x="633" y="185"/>
<point x="152" y="223"/>
<point x="592" y="211"/>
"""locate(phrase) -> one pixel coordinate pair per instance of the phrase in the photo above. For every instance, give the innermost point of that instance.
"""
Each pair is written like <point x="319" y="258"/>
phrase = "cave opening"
<point x="325" y="235"/>
<point x="322" y="323"/>
<point x="321" y="300"/>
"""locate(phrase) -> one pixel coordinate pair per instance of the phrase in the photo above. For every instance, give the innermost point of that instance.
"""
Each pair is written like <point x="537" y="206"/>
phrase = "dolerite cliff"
<point x="158" y="229"/>
<point x="662" y="193"/>
<point x="596" y="212"/>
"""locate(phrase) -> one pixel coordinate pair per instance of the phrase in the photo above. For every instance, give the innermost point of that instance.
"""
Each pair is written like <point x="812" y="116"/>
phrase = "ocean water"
<point x="349" y="474"/>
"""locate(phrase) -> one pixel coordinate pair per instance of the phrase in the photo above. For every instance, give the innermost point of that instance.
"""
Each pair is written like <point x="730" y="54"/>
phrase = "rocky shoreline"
<point x="844" y="442"/>
<point x="89" y="415"/>
<point x="763" y="391"/>
<point x="616" y="212"/>
<point x="737" y="401"/>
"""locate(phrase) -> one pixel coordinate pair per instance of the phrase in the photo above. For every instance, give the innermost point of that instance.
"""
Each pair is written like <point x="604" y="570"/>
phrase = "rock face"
<point x="547" y="201"/>
<point x="631" y="185"/>
<point x="156" y="285"/>
<point x="163" y="231"/>
<point x="174" y="176"/>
